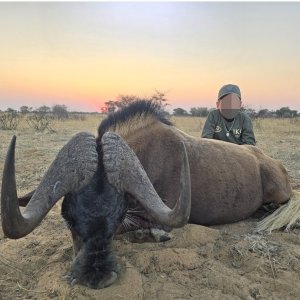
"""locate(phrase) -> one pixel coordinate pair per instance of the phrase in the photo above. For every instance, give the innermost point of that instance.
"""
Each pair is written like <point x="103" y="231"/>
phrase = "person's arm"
<point x="248" y="133"/>
<point x="209" y="127"/>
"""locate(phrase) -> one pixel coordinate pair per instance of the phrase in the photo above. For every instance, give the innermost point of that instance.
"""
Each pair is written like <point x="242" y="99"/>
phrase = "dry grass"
<point x="33" y="267"/>
<point x="280" y="138"/>
<point x="36" y="150"/>
<point x="190" y="125"/>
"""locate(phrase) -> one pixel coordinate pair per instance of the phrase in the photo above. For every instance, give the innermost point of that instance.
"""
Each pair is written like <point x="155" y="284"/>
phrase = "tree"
<point x="60" y="112"/>
<point x="103" y="109"/>
<point x="264" y="113"/>
<point x="11" y="110"/>
<point x="199" y="111"/>
<point x="179" y="112"/>
<point x="123" y="100"/>
<point x="110" y="106"/>
<point x="9" y="120"/>
<point x="248" y="110"/>
<point x="159" y="98"/>
<point x="286" y="112"/>
<point x="43" y="109"/>
<point x="25" y="109"/>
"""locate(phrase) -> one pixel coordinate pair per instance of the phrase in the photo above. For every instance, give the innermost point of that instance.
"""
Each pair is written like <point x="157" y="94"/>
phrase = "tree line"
<point x="283" y="112"/>
<point x="160" y="98"/>
<point x="42" y="116"/>
<point x="40" y="119"/>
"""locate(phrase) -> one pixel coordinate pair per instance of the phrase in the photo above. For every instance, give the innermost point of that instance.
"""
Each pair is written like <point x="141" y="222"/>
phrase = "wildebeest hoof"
<point x="160" y="235"/>
<point x="146" y="235"/>
<point x="71" y="279"/>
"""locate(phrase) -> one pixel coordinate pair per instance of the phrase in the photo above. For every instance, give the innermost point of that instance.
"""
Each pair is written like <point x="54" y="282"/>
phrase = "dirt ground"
<point x="220" y="262"/>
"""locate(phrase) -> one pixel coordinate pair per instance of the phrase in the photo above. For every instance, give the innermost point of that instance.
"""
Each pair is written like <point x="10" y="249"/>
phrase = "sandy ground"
<point x="221" y="262"/>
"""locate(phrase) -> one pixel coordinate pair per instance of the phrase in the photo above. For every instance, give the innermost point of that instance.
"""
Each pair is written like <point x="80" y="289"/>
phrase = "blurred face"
<point x="229" y="105"/>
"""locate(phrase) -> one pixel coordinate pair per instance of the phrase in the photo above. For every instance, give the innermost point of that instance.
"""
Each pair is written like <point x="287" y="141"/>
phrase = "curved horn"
<point x="73" y="167"/>
<point x="126" y="173"/>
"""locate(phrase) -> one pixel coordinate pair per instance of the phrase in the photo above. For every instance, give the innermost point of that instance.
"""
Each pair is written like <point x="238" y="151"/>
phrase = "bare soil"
<point x="220" y="262"/>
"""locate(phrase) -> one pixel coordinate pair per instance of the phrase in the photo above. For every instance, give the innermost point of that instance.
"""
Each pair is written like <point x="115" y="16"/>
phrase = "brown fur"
<point x="229" y="182"/>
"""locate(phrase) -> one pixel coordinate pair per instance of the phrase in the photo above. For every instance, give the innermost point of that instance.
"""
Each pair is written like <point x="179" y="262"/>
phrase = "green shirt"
<point x="238" y="131"/>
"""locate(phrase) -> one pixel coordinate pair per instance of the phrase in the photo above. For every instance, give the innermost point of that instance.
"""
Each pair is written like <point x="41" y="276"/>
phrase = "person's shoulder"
<point x="213" y="115"/>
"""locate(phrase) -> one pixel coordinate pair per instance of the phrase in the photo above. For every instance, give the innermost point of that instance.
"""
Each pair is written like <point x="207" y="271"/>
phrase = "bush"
<point x="60" y="112"/>
<point x="77" y="116"/>
<point x="40" y="121"/>
<point x="9" y="120"/>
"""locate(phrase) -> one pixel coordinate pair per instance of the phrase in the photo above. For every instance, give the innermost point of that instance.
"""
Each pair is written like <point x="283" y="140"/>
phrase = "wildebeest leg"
<point x="137" y="228"/>
<point x="23" y="201"/>
<point x="160" y="235"/>
<point x="144" y="235"/>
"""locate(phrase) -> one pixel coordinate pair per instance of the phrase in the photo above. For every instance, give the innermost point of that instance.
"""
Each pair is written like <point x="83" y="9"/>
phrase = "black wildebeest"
<point x="106" y="190"/>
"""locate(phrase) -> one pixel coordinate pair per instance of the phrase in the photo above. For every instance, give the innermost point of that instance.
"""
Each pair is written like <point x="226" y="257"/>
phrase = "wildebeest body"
<point x="228" y="182"/>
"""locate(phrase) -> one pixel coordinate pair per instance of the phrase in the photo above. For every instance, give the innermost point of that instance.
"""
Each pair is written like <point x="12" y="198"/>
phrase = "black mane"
<point x="135" y="108"/>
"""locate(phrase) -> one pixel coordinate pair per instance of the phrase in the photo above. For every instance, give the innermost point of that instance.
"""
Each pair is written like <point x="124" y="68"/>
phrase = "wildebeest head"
<point x="73" y="168"/>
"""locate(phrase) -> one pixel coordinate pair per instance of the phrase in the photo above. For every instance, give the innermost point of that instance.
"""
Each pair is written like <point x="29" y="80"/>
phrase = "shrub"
<point x="40" y="121"/>
<point x="9" y="120"/>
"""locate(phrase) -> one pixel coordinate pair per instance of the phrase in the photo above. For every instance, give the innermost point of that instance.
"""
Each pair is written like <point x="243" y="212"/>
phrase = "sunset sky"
<point x="83" y="54"/>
